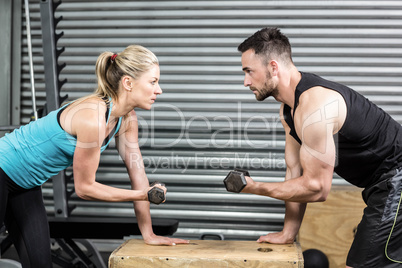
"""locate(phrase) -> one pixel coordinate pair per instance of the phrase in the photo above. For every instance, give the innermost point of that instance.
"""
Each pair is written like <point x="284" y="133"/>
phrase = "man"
<point x="329" y="127"/>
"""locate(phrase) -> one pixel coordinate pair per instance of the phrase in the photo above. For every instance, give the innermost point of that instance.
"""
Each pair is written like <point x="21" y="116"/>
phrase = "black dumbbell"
<point x="235" y="181"/>
<point x="156" y="195"/>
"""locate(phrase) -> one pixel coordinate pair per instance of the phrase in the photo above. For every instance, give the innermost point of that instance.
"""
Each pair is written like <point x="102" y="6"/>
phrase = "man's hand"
<point x="276" y="238"/>
<point x="250" y="185"/>
<point x="164" y="241"/>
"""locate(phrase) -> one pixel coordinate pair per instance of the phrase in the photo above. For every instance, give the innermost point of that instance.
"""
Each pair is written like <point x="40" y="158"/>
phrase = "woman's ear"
<point x="127" y="83"/>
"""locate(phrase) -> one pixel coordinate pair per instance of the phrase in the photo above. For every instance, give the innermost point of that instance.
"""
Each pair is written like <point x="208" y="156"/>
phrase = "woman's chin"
<point x="147" y="107"/>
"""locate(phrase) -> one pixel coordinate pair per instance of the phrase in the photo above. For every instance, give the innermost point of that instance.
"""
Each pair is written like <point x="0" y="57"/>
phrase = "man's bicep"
<point x="317" y="142"/>
<point x="321" y="113"/>
<point x="317" y="157"/>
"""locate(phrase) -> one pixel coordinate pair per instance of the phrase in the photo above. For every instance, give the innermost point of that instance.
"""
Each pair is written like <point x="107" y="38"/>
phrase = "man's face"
<point x="257" y="76"/>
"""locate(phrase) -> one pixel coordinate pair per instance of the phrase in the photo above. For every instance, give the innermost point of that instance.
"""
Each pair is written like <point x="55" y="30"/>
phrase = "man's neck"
<point x="287" y="87"/>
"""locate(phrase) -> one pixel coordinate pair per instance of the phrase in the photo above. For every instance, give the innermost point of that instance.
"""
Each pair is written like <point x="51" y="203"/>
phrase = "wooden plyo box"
<point x="207" y="253"/>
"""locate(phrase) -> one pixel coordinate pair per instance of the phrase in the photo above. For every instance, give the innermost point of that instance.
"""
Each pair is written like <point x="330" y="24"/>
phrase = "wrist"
<point x="255" y="188"/>
<point x="147" y="235"/>
<point x="145" y="196"/>
<point x="250" y="187"/>
<point x="289" y="235"/>
<point x="140" y="195"/>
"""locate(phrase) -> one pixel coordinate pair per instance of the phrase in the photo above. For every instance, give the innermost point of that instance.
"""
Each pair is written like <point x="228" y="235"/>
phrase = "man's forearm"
<point x="294" y="214"/>
<point x="301" y="189"/>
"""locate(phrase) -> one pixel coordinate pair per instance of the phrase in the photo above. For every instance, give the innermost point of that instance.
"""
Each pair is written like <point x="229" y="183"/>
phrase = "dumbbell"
<point x="156" y="195"/>
<point x="235" y="181"/>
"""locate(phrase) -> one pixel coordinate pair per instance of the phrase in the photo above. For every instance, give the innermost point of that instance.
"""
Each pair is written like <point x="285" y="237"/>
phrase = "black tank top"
<point x="370" y="141"/>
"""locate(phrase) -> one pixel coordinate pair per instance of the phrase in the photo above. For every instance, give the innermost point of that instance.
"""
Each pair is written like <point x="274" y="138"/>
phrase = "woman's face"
<point x="146" y="88"/>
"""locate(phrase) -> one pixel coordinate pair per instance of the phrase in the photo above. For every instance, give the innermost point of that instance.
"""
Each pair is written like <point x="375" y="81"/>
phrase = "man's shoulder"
<point x="321" y="104"/>
<point x="318" y="96"/>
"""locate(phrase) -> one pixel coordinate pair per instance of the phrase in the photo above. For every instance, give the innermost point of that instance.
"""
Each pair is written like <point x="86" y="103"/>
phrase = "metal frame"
<point x="53" y="98"/>
<point x="10" y="25"/>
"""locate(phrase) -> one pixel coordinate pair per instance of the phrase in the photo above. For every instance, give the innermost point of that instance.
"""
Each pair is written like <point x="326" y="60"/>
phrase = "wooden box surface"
<point x="207" y="253"/>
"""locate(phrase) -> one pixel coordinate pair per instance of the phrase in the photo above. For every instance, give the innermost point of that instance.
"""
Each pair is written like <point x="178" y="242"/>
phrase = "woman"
<point x="76" y="134"/>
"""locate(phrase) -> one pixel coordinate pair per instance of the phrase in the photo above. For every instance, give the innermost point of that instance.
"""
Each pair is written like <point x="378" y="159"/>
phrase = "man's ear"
<point x="273" y="67"/>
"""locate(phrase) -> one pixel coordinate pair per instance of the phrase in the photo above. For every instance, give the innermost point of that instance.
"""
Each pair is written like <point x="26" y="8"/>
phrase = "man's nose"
<point x="247" y="81"/>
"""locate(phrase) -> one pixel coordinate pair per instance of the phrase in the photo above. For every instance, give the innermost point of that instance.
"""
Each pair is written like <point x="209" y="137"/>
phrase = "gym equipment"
<point x="53" y="86"/>
<point x="314" y="258"/>
<point x="235" y="181"/>
<point x="70" y="237"/>
<point x="156" y="195"/>
<point x="206" y="253"/>
<point x="29" y="41"/>
<point x="72" y="233"/>
<point x="212" y="236"/>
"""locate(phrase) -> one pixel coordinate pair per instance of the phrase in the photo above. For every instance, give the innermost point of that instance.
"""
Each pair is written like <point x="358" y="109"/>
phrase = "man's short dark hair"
<point x="268" y="42"/>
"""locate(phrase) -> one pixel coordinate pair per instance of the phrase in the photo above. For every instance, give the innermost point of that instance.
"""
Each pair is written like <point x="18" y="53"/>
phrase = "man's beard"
<point x="269" y="89"/>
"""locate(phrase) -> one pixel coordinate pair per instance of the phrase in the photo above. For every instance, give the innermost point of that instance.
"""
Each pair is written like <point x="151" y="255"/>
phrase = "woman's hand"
<point x="162" y="240"/>
<point x="156" y="185"/>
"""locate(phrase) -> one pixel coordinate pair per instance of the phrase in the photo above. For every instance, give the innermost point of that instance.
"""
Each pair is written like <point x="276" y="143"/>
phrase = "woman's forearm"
<point x="101" y="192"/>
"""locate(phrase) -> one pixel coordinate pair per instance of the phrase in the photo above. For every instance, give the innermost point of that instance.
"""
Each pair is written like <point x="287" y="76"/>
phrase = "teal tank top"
<point x="39" y="150"/>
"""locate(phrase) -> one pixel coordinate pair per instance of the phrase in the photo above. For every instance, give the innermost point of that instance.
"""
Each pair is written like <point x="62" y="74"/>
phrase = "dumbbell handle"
<point x="156" y="195"/>
<point x="244" y="171"/>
